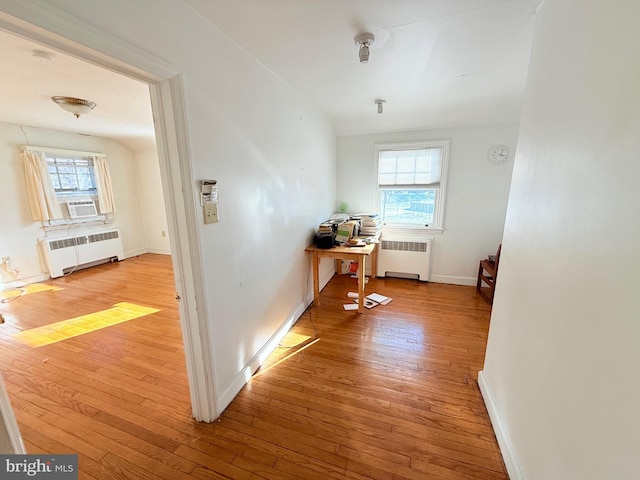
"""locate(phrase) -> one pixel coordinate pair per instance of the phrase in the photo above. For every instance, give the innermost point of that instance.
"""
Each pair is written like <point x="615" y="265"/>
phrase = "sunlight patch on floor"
<point x="266" y="368"/>
<point x="292" y="339"/>
<point x="56" y="332"/>
<point x="26" y="290"/>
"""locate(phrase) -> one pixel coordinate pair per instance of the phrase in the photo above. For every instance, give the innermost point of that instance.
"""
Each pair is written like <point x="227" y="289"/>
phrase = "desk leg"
<point x="374" y="261"/>
<point x="316" y="279"/>
<point x="361" y="280"/>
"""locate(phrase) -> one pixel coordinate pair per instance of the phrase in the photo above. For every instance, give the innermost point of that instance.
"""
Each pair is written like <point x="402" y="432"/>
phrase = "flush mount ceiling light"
<point x="364" y="41"/>
<point x="380" y="103"/>
<point x="77" y="106"/>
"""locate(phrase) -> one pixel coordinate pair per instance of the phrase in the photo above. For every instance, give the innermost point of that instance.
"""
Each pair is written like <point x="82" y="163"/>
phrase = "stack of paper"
<point x="371" y="224"/>
<point x="370" y="301"/>
<point x="325" y="227"/>
<point x="381" y="299"/>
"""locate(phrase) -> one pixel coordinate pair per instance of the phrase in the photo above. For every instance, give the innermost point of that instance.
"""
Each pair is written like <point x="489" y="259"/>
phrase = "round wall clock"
<point x="498" y="154"/>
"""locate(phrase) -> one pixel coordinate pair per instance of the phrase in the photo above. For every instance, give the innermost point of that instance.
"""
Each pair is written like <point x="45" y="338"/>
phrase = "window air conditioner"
<point x="81" y="209"/>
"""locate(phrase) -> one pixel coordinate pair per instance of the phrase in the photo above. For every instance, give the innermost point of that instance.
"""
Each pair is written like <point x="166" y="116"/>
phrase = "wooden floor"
<point x="390" y="394"/>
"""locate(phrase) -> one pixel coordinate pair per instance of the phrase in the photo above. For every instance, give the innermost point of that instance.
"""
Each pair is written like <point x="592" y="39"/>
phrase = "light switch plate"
<point x="210" y="213"/>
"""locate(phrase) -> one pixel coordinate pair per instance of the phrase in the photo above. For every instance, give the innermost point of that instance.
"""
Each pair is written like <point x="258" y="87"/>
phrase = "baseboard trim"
<point x="453" y="280"/>
<point x="159" y="251"/>
<point x="504" y="441"/>
<point x="25" y="281"/>
<point x="242" y="377"/>
<point x="135" y="253"/>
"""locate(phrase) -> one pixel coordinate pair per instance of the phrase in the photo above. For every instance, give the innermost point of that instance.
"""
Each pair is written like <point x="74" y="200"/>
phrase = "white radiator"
<point x="406" y="259"/>
<point x="67" y="253"/>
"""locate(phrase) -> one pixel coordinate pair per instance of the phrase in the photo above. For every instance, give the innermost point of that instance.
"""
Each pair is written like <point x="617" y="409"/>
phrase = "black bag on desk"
<point x="325" y="240"/>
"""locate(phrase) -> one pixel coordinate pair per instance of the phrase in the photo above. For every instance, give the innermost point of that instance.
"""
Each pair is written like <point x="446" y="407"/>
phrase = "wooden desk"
<point x="358" y="254"/>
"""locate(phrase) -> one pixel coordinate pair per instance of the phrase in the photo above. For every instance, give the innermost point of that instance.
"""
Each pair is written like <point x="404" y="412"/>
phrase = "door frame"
<point x="45" y="24"/>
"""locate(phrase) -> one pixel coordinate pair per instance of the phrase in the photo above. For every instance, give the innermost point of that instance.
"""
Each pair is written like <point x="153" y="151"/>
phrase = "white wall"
<point x="19" y="233"/>
<point x="273" y="155"/>
<point x="561" y="369"/>
<point x="476" y="196"/>
<point x="151" y="201"/>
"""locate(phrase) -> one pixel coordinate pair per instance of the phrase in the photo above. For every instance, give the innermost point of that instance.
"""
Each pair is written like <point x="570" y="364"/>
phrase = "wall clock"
<point x="498" y="154"/>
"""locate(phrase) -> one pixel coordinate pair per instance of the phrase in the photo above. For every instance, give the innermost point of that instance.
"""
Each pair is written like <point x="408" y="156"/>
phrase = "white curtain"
<point x="102" y="175"/>
<point x="42" y="196"/>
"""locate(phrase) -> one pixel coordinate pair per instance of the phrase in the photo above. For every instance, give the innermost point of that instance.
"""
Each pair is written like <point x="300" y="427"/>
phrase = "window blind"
<point x="410" y="168"/>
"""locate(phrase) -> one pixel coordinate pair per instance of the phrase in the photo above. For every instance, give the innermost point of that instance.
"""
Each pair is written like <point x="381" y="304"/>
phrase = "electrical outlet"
<point x="210" y="213"/>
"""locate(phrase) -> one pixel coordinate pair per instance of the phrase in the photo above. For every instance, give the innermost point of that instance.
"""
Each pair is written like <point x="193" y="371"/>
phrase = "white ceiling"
<point x="123" y="110"/>
<point x="437" y="63"/>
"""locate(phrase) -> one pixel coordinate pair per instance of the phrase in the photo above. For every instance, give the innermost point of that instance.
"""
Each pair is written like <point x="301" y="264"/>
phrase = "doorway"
<point x="165" y="87"/>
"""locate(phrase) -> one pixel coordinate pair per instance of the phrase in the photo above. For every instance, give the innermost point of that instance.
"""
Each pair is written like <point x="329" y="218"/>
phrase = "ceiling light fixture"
<point x="77" y="106"/>
<point x="379" y="103"/>
<point x="364" y="41"/>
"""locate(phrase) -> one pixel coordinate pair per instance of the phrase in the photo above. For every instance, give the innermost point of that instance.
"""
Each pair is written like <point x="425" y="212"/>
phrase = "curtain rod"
<point x="59" y="151"/>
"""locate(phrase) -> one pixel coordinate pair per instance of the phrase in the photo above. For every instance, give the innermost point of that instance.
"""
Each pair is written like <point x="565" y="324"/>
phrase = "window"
<point x="411" y="183"/>
<point x="71" y="176"/>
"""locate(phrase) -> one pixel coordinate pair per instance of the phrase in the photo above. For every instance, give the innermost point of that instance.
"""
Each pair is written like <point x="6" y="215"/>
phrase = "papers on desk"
<point x="370" y="301"/>
<point x="356" y="243"/>
<point x="345" y="232"/>
<point x="370" y="224"/>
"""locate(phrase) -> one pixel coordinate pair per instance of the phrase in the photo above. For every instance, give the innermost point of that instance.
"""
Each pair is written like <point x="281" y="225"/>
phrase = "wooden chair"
<point x="488" y="273"/>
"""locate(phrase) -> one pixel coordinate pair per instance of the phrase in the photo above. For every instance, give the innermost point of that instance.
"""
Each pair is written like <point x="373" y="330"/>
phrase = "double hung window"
<point x="55" y="176"/>
<point x="411" y="184"/>
<point x="71" y="176"/>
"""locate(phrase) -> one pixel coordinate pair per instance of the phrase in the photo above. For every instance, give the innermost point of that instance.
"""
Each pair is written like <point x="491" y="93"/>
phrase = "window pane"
<point x="55" y="180"/>
<point x="71" y="176"/>
<point x="85" y="182"/>
<point x="406" y="163"/>
<point x="405" y="179"/>
<point x="408" y="206"/>
<point x="68" y="181"/>
<point x="387" y="163"/>
<point x="422" y="178"/>
<point x="387" y="179"/>
<point x="434" y="154"/>
<point x="422" y="163"/>
<point x="425" y="163"/>
<point x="410" y="183"/>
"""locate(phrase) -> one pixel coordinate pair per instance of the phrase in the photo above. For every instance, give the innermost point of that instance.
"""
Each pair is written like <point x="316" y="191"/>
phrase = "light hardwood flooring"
<point x="390" y="394"/>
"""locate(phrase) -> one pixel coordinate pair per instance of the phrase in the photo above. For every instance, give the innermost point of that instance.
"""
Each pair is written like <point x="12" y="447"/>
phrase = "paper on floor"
<point x="376" y="297"/>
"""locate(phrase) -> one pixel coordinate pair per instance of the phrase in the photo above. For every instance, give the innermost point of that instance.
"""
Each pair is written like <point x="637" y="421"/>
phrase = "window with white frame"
<point x="71" y="176"/>
<point x="411" y="180"/>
